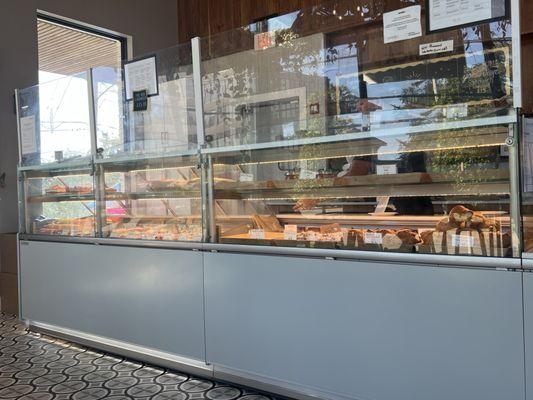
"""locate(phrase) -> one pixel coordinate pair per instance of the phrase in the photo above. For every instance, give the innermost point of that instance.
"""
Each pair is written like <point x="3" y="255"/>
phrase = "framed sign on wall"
<point x="450" y="14"/>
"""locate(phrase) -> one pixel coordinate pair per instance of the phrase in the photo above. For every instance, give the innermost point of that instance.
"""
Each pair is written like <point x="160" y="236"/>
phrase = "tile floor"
<point x="38" y="367"/>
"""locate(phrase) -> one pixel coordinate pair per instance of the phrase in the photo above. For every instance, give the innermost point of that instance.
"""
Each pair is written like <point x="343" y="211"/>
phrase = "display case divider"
<point x="98" y="177"/>
<point x="198" y="96"/>
<point x="516" y="56"/>
<point x="515" y="201"/>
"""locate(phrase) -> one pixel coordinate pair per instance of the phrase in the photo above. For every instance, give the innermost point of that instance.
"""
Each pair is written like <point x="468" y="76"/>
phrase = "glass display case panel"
<point x="54" y="121"/>
<point x="153" y="199"/>
<point x="326" y="70"/>
<point x="60" y="202"/>
<point x="168" y="125"/>
<point x="437" y="192"/>
<point x="527" y="182"/>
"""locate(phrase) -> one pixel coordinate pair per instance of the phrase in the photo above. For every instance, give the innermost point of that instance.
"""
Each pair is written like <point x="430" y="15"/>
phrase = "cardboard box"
<point x="9" y="293"/>
<point x="8" y="253"/>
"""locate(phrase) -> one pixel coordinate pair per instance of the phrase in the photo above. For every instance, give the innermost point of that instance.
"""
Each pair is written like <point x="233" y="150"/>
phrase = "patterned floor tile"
<point x="38" y="367"/>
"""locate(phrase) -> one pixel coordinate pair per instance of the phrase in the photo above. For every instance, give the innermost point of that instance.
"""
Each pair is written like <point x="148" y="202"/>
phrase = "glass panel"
<point x="167" y="126"/>
<point x="60" y="203"/>
<point x="153" y="199"/>
<point x="55" y="119"/>
<point x="326" y="71"/>
<point x="527" y="183"/>
<point x="438" y="192"/>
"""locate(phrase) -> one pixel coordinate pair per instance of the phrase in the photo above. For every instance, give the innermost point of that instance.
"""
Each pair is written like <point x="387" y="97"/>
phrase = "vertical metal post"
<point x="515" y="204"/>
<point x="198" y="93"/>
<point x="99" y="190"/>
<point x="208" y="201"/>
<point x="20" y="179"/>
<point x="516" y="51"/>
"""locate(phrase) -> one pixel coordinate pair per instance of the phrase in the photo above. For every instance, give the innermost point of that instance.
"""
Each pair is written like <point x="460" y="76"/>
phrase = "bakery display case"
<point x="152" y="199"/>
<point x="311" y="135"/>
<point x="320" y="135"/>
<point x="59" y="201"/>
<point x="442" y="192"/>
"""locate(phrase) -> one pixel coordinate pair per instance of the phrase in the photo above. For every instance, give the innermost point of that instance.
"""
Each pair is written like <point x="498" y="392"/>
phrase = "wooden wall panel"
<point x="209" y="17"/>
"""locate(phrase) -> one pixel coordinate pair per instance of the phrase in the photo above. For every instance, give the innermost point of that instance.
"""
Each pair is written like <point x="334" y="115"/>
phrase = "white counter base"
<point x="308" y="328"/>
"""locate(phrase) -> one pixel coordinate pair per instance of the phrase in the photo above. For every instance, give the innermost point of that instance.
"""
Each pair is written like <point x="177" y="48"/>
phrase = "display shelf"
<point x="401" y="143"/>
<point x="381" y="134"/>
<point x="60" y="198"/>
<point x="171" y="194"/>
<point x="397" y="185"/>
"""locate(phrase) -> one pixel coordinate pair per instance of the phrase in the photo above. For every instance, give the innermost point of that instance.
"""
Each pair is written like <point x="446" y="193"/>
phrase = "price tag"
<point x="373" y="238"/>
<point x="257" y="233"/>
<point x="246" y="177"/>
<point x="306" y="174"/>
<point x="387" y="169"/>
<point x="290" y="232"/>
<point x="463" y="241"/>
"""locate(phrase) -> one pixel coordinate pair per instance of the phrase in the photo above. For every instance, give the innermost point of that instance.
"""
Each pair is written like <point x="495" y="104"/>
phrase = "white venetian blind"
<point x="68" y="51"/>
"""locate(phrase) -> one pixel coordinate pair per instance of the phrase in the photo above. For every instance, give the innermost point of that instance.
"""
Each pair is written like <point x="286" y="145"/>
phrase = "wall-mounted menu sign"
<point x="141" y="75"/>
<point x="447" y="14"/>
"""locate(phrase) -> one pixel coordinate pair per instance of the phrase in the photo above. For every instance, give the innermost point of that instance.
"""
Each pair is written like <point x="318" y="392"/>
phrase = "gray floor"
<point x="38" y="367"/>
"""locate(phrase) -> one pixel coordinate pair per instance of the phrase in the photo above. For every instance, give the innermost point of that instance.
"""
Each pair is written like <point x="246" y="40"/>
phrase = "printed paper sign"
<point x="141" y="75"/>
<point x="373" y="238"/>
<point x="445" y="14"/>
<point x="387" y="169"/>
<point x="257" y="233"/>
<point x="246" y="177"/>
<point x="463" y="241"/>
<point x="436" y="47"/>
<point x="402" y="24"/>
<point x="290" y="232"/>
<point x="28" y="139"/>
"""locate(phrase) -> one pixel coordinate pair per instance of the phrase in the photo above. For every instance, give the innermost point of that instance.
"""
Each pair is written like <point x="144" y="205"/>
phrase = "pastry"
<point x="460" y="215"/>
<point x="267" y="222"/>
<point x="330" y="228"/>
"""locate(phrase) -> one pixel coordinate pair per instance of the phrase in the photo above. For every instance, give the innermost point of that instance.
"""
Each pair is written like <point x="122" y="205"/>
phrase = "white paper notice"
<point x="141" y="75"/>
<point x="28" y="140"/>
<point x="373" y="238"/>
<point x="436" y="47"/>
<point x="402" y="24"/>
<point x="306" y="174"/>
<point x="445" y="14"/>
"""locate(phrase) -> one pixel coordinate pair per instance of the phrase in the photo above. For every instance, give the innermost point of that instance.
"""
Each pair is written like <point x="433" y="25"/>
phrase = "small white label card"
<point x="290" y="232"/>
<point x="402" y="24"/>
<point x="257" y="233"/>
<point x="373" y="238"/>
<point x="463" y="241"/>
<point x="387" y="169"/>
<point x="141" y="75"/>
<point x="436" y="47"/>
<point x="28" y="139"/>
<point x="246" y="177"/>
<point x="307" y="174"/>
